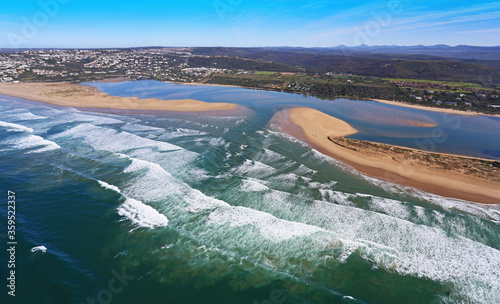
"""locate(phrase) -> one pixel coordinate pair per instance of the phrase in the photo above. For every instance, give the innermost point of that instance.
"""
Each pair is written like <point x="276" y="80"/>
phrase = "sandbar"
<point x="75" y="95"/>
<point x="430" y="172"/>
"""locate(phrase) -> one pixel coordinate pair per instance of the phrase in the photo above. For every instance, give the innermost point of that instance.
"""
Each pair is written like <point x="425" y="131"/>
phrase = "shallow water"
<point x="477" y="136"/>
<point x="197" y="209"/>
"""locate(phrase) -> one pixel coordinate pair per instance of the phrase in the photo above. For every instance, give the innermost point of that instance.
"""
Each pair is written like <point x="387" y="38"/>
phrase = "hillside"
<point x="400" y="66"/>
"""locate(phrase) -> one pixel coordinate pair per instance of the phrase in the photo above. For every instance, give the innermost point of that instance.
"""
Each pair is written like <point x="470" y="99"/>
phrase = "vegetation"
<point x="334" y="86"/>
<point x="238" y="63"/>
<point x="365" y="65"/>
<point x="475" y="167"/>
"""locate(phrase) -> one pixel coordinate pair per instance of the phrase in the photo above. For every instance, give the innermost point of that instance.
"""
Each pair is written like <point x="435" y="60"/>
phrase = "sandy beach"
<point x="325" y="133"/>
<point x="75" y="95"/>
<point x="442" y="110"/>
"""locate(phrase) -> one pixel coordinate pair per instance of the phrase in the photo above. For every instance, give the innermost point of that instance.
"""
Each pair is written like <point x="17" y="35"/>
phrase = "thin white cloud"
<point x="431" y="18"/>
<point x="462" y="19"/>
<point x="421" y="19"/>
<point x="345" y="15"/>
<point x="492" y="30"/>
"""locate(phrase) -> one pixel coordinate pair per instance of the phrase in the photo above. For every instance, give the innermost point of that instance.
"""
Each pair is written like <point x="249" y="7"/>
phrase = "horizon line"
<point x="220" y="46"/>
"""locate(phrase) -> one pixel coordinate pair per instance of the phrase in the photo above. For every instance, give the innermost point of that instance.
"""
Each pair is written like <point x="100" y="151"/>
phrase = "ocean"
<point x="159" y="207"/>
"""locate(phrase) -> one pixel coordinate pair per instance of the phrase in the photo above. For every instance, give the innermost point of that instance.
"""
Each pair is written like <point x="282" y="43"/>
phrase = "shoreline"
<point x="433" y="109"/>
<point x="80" y="96"/>
<point x="318" y="130"/>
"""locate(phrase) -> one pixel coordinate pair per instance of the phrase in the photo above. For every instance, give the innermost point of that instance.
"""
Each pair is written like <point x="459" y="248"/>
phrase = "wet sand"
<point x="75" y="95"/>
<point x="325" y="133"/>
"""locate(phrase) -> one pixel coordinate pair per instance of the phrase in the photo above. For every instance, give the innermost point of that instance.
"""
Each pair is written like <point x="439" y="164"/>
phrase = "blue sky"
<point x="91" y="23"/>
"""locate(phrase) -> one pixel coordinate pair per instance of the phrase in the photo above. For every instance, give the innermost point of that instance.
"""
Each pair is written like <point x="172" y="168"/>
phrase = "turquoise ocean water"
<point x="187" y="208"/>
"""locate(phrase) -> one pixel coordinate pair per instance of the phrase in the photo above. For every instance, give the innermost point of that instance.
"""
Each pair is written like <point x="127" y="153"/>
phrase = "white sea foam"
<point x="199" y="202"/>
<point x="253" y="186"/>
<point x="490" y="212"/>
<point x="269" y="156"/>
<point x="108" y="186"/>
<point x="27" y="116"/>
<point x="30" y="142"/>
<point x="182" y="132"/>
<point x="89" y="118"/>
<point x="320" y="186"/>
<point x="214" y="141"/>
<point x="288" y="138"/>
<point x="49" y="147"/>
<point x="42" y="249"/>
<point x="12" y="127"/>
<point x="255" y="169"/>
<point x="139" y="213"/>
<point x="420" y="212"/>
<point x="269" y="226"/>
<point x="303" y="170"/>
<point x="348" y="299"/>
<point x="415" y="250"/>
<point x="336" y="196"/>
<point x="191" y="132"/>
<point x="400" y="245"/>
<point x="139" y="164"/>
<point x="150" y="174"/>
<point x="390" y="207"/>
<point x="142" y="214"/>
<point x="35" y="141"/>
<point x="173" y="161"/>
<point x="111" y="140"/>
<point x="220" y="212"/>
<point x="334" y="162"/>
<point x="131" y="127"/>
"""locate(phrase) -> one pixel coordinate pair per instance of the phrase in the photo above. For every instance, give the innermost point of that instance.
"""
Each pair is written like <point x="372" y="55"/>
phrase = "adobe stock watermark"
<point x="222" y="7"/>
<point x="31" y="26"/>
<point x="116" y="285"/>
<point x="438" y="135"/>
<point x="277" y="296"/>
<point x="140" y="91"/>
<point x="487" y="81"/>
<point x="381" y="19"/>
<point x="371" y="29"/>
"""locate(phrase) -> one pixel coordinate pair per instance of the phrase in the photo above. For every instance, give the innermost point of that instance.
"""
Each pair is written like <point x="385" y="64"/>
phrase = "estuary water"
<point x="189" y="208"/>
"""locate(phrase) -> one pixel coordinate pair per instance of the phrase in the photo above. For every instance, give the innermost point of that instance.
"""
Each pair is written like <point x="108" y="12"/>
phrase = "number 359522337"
<point x="11" y="215"/>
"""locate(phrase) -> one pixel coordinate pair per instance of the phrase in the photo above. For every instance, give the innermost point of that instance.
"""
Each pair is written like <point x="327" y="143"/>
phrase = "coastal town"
<point x="72" y="65"/>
